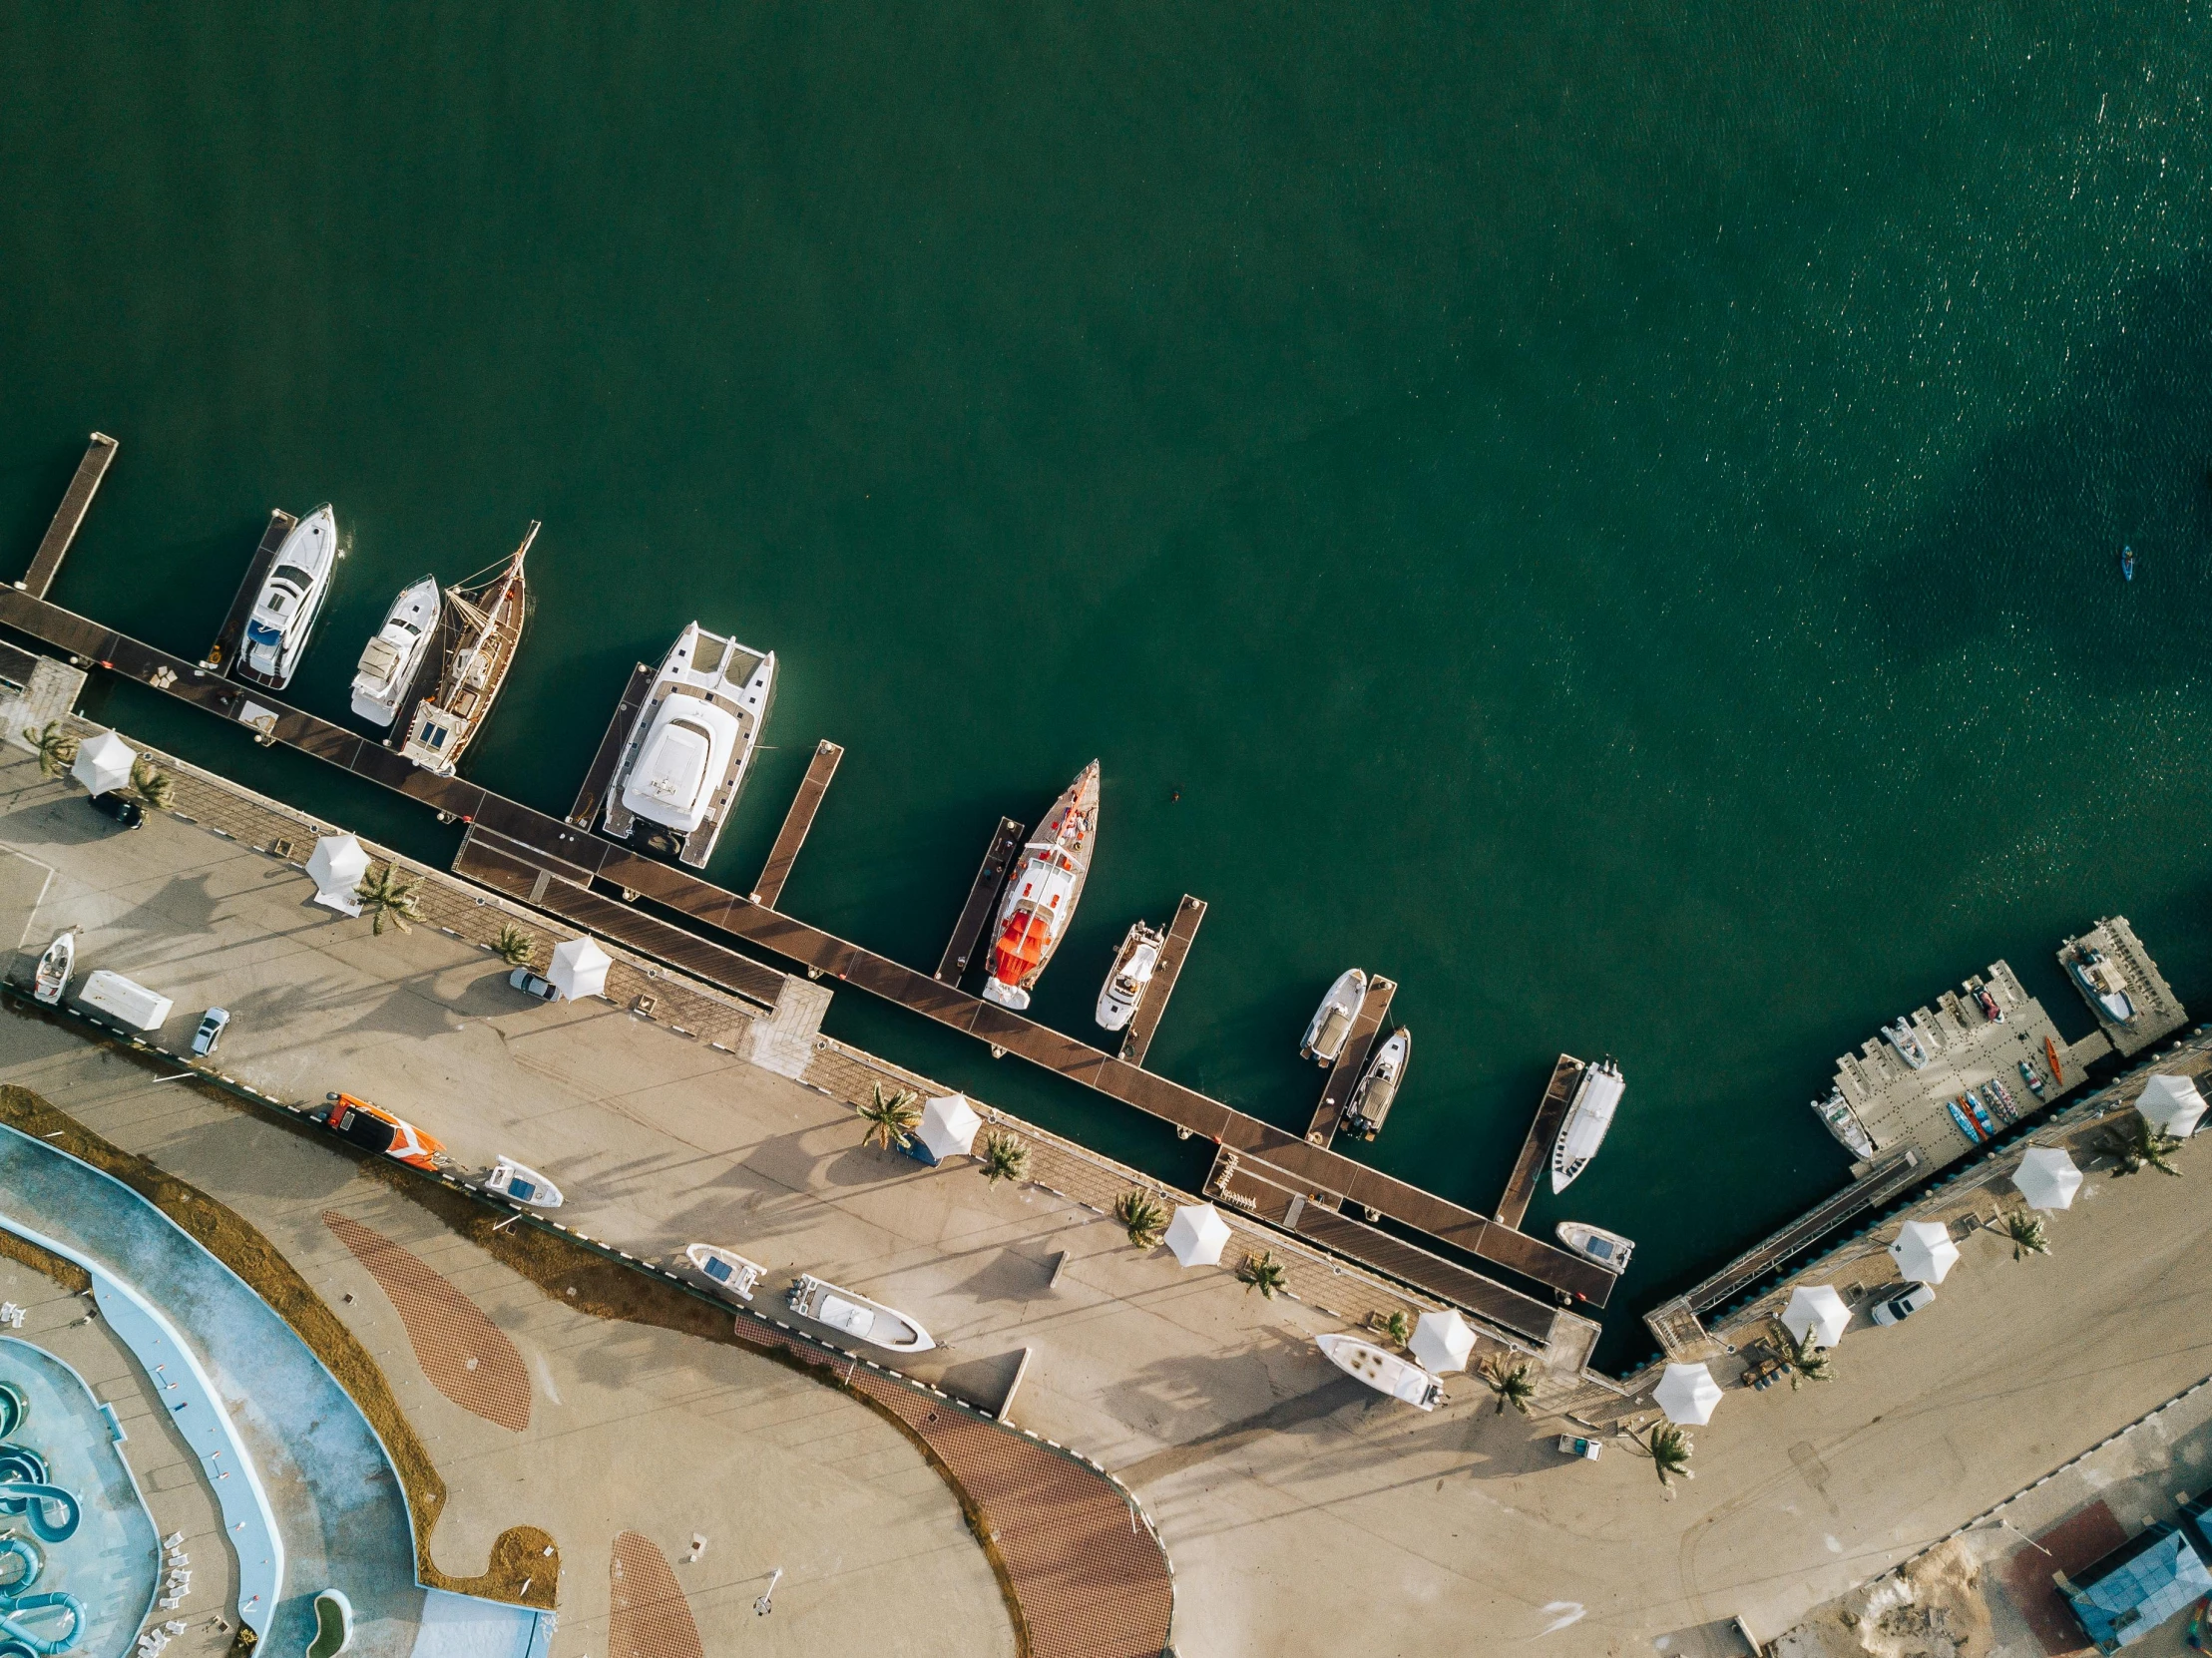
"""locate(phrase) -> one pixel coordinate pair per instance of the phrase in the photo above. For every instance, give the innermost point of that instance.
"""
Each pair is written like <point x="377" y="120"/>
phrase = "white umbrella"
<point x="336" y="866"/>
<point x="948" y="1128"/>
<point x="1197" y="1235"/>
<point x="1688" y="1394"/>
<point x="102" y="763"/>
<point x="2047" y="1178"/>
<point x="1923" y="1251"/>
<point x="1441" y="1342"/>
<point x="579" y="969"/>
<point x="2172" y="1105"/>
<point x="1818" y="1310"/>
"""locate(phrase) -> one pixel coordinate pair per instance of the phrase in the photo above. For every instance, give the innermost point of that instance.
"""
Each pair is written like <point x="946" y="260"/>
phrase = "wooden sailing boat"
<point x="488" y="610"/>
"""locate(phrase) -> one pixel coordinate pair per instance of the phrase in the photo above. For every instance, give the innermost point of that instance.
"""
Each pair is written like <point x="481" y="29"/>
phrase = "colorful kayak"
<point x="1981" y="1115"/>
<point x="2033" y="1077"/>
<point x="2050" y="1052"/>
<point x="1966" y="1126"/>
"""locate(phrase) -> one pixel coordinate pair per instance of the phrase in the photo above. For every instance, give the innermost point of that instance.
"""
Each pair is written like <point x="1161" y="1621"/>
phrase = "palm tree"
<point x="1262" y="1272"/>
<point x="1141" y="1217"/>
<point x="1809" y="1363"/>
<point x="1513" y="1384"/>
<point x="515" y="946"/>
<point x="2139" y="1146"/>
<point x="388" y="896"/>
<point x="156" y="787"/>
<point x="2027" y="1232"/>
<point x="57" y="748"/>
<point x="1004" y="1158"/>
<point x="1398" y="1328"/>
<point x="1670" y="1449"/>
<point x="892" y="1120"/>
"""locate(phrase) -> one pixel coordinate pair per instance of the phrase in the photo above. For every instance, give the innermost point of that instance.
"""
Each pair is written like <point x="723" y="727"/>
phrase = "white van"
<point x="125" y="1000"/>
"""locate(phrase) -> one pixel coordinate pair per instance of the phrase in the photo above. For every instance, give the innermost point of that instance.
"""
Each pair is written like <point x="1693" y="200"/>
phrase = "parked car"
<point x="211" y="1026"/>
<point x="121" y="807"/>
<point x="1573" y="1445"/>
<point x="531" y="985"/>
<point x="374" y="1129"/>
<point x="1898" y="1308"/>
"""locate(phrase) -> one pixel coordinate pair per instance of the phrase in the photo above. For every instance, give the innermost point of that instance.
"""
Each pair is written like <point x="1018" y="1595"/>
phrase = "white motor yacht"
<point x="1841" y="1121"/>
<point x="1608" y="1248"/>
<point x="289" y="601"/>
<point x="729" y="1271"/>
<point x="390" y="661"/>
<point x="1383" y="1371"/>
<point x="1378" y="1085"/>
<point x="53" y="967"/>
<point x="858" y="1317"/>
<point x="1590" y="1113"/>
<point x="520" y="1184"/>
<point x="2107" y="986"/>
<point x="1332" y="1022"/>
<point x="1130" y="976"/>
<point x="691" y="745"/>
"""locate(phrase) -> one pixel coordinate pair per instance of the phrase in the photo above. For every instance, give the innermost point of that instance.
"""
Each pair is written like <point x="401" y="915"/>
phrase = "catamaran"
<point x="1590" y="1113"/>
<point x="1378" y="1085"/>
<point x="1385" y="1372"/>
<point x="291" y="599"/>
<point x="1332" y="1022"/>
<point x="390" y="661"/>
<point x="1841" y="1121"/>
<point x="2107" y="989"/>
<point x="1130" y="976"/>
<point x="1043" y="892"/>
<point x="858" y="1317"/>
<point x="491" y="607"/>
<point x="691" y="744"/>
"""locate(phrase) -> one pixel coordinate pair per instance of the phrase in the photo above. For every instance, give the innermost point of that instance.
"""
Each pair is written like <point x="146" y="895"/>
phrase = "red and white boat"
<point x="1041" y="893"/>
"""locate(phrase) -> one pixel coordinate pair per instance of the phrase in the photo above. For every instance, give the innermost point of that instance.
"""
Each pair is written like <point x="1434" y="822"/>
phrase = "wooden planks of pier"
<point x="1884" y="1181"/>
<point x="1184" y="928"/>
<point x="228" y="637"/>
<point x="601" y="775"/>
<point x="796" y="822"/>
<point x="1521" y="1185"/>
<point x="983" y="897"/>
<point x="1351" y="1060"/>
<point x="69" y="517"/>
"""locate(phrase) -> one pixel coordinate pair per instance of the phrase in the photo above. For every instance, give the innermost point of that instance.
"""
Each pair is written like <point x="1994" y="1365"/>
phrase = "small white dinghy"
<point x="729" y="1271"/>
<point x="390" y="661"/>
<point x="1608" y="1248"/>
<point x="53" y="967"/>
<point x="1383" y="1371"/>
<point x="518" y="1184"/>
<point x="1131" y="977"/>
<point x="858" y="1317"/>
<point x="1332" y="1022"/>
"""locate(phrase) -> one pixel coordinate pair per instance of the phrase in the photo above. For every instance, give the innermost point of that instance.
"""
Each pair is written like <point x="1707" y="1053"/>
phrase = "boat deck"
<point x="591" y="794"/>
<point x="232" y="635"/>
<point x="1351" y="1060"/>
<point x="1137" y="1039"/>
<point x="796" y="822"/>
<point x="983" y="898"/>
<point x="2158" y="1011"/>
<point x="1536" y="1150"/>
<point x="69" y="517"/>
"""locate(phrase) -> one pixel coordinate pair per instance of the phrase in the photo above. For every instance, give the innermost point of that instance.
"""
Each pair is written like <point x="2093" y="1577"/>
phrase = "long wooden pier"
<point x="590" y="796"/>
<point x="1137" y="1039"/>
<point x="232" y="635"/>
<point x="1351" y="1060"/>
<point x="796" y="822"/>
<point x="983" y="897"/>
<point x="1521" y="1185"/>
<point x="1880" y="1183"/>
<point x="69" y="517"/>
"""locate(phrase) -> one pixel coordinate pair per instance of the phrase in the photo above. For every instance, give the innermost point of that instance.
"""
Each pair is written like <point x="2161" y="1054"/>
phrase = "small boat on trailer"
<point x="388" y="662"/>
<point x="521" y="1185"/>
<point x="858" y="1317"/>
<point x="1377" y="1088"/>
<point x="50" y="978"/>
<point x="1332" y="1022"/>
<point x="691" y="747"/>
<point x="1608" y="1248"/>
<point x="726" y="1269"/>
<point x="284" y="611"/>
<point x="1383" y="1371"/>
<point x="1131" y="977"/>
<point x="1596" y="1099"/>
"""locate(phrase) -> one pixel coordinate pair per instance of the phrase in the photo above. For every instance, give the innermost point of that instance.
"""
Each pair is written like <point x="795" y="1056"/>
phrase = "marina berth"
<point x="1385" y="1372"/>
<point x="284" y="611"/>
<point x="1378" y="1085"/>
<point x="1332" y="1022"/>
<point x="856" y="1316"/>
<point x="489" y="610"/>
<point x="1043" y="892"/>
<point x="691" y="747"/>
<point x="1131" y="977"/>
<point x="1590" y="1113"/>
<point x="388" y="662"/>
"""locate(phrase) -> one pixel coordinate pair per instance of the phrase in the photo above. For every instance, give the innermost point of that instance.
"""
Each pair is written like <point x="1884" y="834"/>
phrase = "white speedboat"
<point x="390" y="661"/>
<point x="2102" y="983"/>
<point x="1383" y="1371"/>
<point x="691" y="745"/>
<point x="1043" y="892"/>
<point x="1608" y="1248"/>
<point x="1131" y="977"/>
<point x="520" y="1184"/>
<point x="53" y="967"/>
<point x="1899" y="1037"/>
<point x="1590" y="1113"/>
<point x="1378" y="1085"/>
<point x="726" y="1269"/>
<point x="1332" y="1022"/>
<point x="858" y="1317"/>
<point x="1841" y="1121"/>
<point x="289" y="601"/>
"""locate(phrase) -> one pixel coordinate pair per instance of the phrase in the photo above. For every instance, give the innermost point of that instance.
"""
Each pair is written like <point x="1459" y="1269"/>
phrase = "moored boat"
<point x="1378" y="1085"/>
<point x="1043" y="892"/>
<point x="691" y="745"/>
<point x="1989" y="1005"/>
<point x="1596" y="1099"/>
<point x="1385" y="1372"/>
<point x="519" y="1183"/>
<point x="388" y="660"/>
<point x="2127" y="564"/>
<point x="490" y="610"/>
<point x="1130" y="976"/>
<point x="284" y="611"/>
<point x="858" y="1317"/>
<point x="1608" y="1248"/>
<point x="1841" y="1121"/>
<point x="1900" y="1037"/>
<point x="1332" y="1022"/>
<point x="2102" y="983"/>
<point x="726" y="1269"/>
<point x="50" y="978"/>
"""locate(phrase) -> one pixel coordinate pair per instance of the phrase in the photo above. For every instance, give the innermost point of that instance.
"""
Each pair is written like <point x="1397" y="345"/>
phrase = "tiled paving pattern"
<point x="649" y="1616"/>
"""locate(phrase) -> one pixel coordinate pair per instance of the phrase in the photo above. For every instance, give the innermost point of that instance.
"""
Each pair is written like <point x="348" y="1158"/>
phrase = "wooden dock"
<point x="601" y="775"/>
<point x="69" y="517"/>
<point x="983" y="897"/>
<point x="232" y="635"/>
<point x="796" y="822"/>
<point x="1521" y="1185"/>
<point x="1139" y="1038"/>
<point x="2158" y="1011"/>
<point x="1880" y="1183"/>
<point x="1351" y="1060"/>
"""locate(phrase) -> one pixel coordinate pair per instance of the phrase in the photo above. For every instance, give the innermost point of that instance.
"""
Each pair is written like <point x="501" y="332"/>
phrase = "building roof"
<point x="2138" y="1586"/>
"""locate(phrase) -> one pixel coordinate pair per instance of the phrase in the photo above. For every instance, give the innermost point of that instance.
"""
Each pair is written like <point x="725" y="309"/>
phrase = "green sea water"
<point x="1606" y="515"/>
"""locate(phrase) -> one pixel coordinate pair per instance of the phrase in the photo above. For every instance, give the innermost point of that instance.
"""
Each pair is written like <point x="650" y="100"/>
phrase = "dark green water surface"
<point x="1606" y="515"/>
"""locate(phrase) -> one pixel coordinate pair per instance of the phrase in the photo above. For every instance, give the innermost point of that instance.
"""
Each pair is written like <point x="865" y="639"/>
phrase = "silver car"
<point x="1903" y="1305"/>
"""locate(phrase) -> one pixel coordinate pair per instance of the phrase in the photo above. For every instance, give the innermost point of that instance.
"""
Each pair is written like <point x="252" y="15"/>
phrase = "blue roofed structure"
<point x="2139" y="1586"/>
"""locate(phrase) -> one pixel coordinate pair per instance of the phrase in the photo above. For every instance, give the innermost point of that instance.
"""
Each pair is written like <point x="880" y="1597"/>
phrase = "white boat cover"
<point x="104" y="762"/>
<point x="948" y="1127"/>
<point x="841" y="1314"/>
<point x="2047" y="1178"/>
<point x="2172" y="1105"/>
<point x="1197" y="1235"/>
<point x="1924" y="1250"/>
<point x="1816" y="1309"/>
<point x="1592" y="1114"/>
<point x="336" y="866"/>
<point x="1441" y="1342"/>
<point x="579" y="969"/>
<point x="1688" y="1394"/>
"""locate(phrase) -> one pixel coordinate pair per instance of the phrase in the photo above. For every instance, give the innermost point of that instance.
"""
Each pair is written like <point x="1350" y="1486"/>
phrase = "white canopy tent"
<point x="2047" y="1178"/>
<point x="1816" y="1309"/>
<point x="1923" y="1251"/>
<point x="1197" y="1235"/>
<point x="1688" y="1394"/>
<point x="1441" y="1342"/>
<point x="104" y="762"/>
<point x="2172" y="1105"/>
<point x="336" y="866"/>
<point x="579" y="969"/>
<point x="948" y="1129"/>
